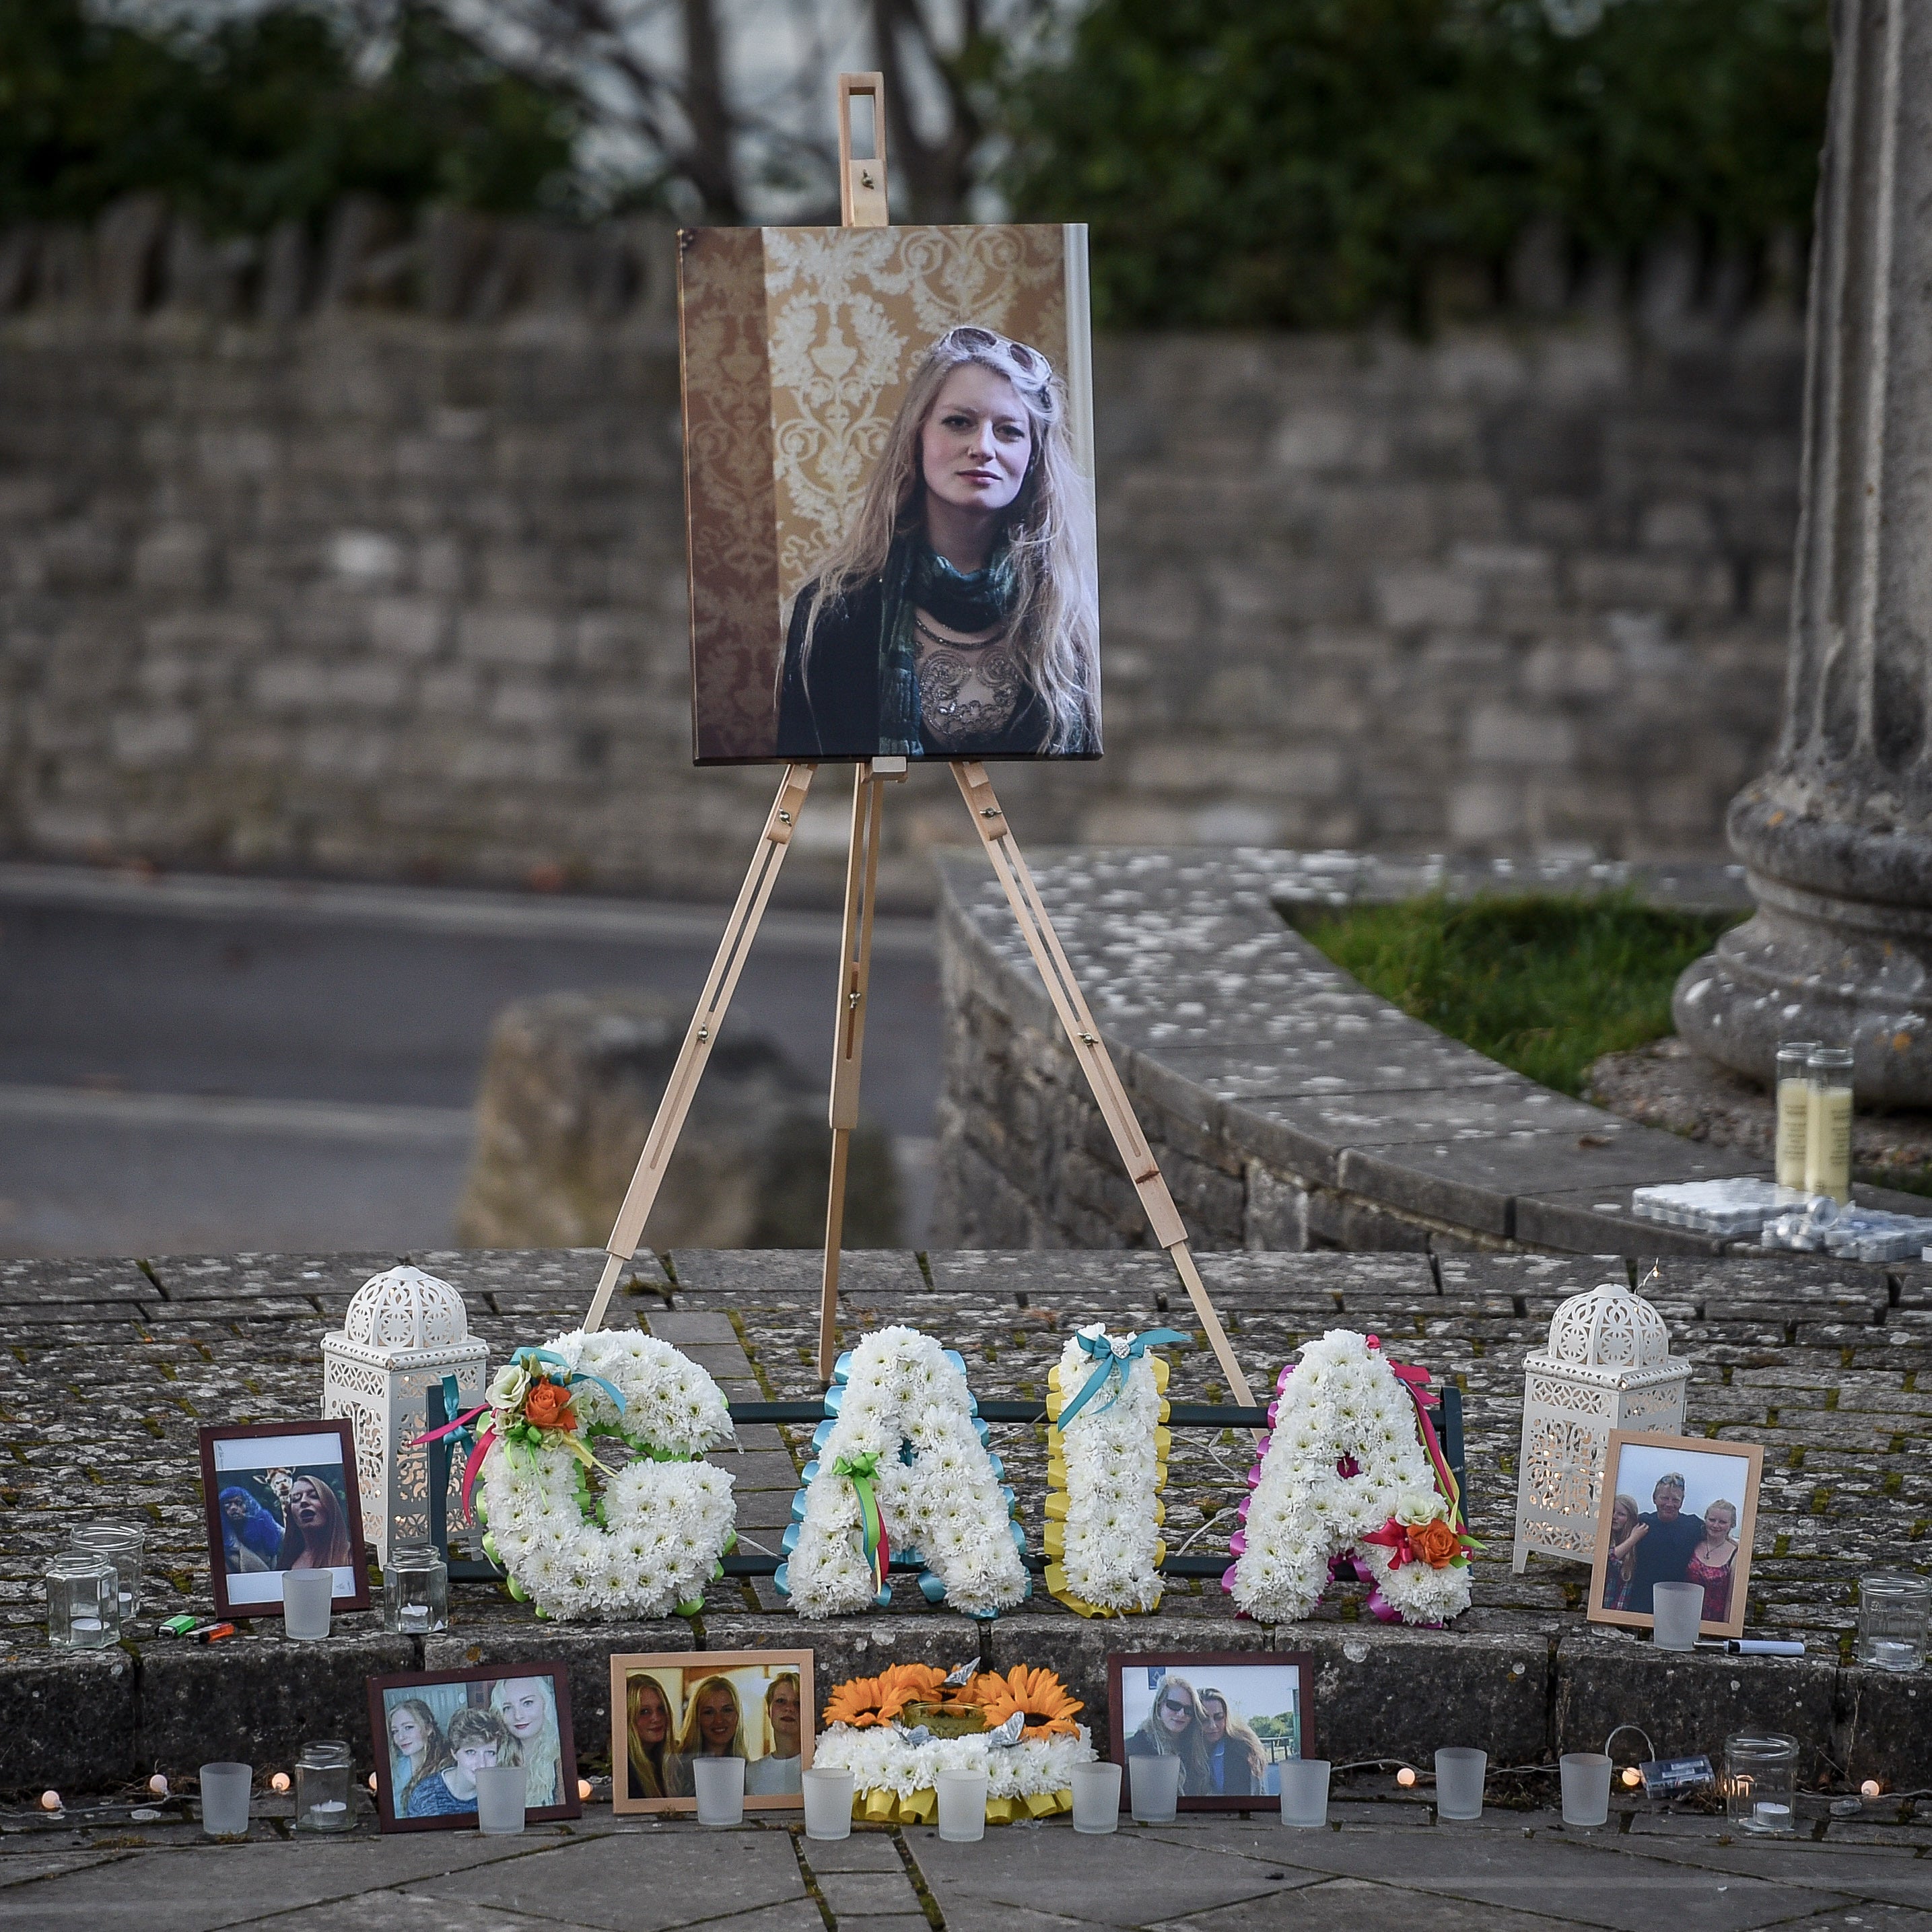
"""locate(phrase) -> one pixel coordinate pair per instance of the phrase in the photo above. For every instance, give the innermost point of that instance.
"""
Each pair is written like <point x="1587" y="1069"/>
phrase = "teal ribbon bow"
<point x="1111" y="1358"/>
<point x="523" y="1357"/>
<point x="862" y="1471"/>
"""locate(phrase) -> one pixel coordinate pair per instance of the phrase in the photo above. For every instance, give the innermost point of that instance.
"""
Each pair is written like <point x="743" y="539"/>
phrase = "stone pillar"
<point x="1838" y="834"/>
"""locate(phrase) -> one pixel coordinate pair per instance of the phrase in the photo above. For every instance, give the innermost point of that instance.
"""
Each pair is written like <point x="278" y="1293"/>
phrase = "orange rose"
<point x="547" y="1406"/>
<point x="1434" y="1543"/>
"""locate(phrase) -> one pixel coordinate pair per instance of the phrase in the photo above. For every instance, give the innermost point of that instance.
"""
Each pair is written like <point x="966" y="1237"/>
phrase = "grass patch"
<point x="1543" y="982"/>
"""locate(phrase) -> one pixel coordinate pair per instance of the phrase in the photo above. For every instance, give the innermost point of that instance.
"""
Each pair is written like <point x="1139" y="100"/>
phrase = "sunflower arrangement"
<point x="897" y="1732"/>
<point x="864" y="1701"/>
<point x="1048" y="1710"/>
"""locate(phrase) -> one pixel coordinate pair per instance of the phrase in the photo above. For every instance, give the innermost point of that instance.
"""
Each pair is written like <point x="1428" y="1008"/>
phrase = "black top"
<point x="830" y="708"/>
<point x="1662" y="1556"/>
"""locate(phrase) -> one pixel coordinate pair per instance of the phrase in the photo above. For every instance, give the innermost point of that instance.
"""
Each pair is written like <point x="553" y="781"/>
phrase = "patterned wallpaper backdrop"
<point x="797" y="345"/>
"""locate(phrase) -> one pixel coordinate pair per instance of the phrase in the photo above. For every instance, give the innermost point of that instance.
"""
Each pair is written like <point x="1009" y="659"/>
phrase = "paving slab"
<point x="1126" y="1878"/>
<point x="643" y="1880"/>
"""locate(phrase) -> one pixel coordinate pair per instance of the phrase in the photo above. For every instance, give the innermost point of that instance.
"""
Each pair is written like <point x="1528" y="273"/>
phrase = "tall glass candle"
<point x="1827" y="1156"/>
<point x="1794" y="1086"/>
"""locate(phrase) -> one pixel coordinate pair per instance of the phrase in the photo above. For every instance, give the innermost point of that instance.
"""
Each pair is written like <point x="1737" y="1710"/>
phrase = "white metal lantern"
<point x="404" y="1331"/>
<point x="1608" y="1366"/>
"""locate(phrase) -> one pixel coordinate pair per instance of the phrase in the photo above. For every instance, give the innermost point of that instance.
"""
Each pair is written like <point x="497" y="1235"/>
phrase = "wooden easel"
<point x="862" y="185"/>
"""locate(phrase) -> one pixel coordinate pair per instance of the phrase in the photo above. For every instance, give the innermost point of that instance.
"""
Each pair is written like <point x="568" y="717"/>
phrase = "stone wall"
<point x="371" y="561"/>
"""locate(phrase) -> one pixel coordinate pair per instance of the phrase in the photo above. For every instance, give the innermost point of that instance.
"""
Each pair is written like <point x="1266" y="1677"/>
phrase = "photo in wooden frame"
<point x="281" y="1496"/>
<point x="667" y="1709"/>
<point x="1232" y="1716"/>
<point x="889" y="474"/>
<point x="434" y="1728"/>
<point x="1675" y="1509"/>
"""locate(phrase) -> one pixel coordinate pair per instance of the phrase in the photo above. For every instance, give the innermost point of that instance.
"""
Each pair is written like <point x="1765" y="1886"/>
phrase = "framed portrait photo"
<point x="282" y="1496"/>
<point x="1675" y="1509"/>
<point x="434" y="1730"/>
<point x="666" y="1710"/>
<point x="1231" y="1717"/>
<point x="889" y="475"/>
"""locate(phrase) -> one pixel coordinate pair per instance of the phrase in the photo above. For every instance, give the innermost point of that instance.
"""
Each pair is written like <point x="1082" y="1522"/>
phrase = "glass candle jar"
<point x="123" y="1545"/>
<point x="83" y="1602"/>
<point x="1761" y="1782"/>
<point x="1828" y="1127"/>
<point x="1794" y="1084"/>
<point x="321" y="1786"/>
<point x="416" y="1588"/>
<point x="1892" y="1614"/>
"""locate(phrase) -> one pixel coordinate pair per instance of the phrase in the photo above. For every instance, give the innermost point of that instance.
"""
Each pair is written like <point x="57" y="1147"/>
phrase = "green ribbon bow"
<point x="862" y="1471"/>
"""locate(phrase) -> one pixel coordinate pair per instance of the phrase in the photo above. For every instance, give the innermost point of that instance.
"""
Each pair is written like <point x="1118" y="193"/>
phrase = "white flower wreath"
<point x="651" y="1541"/>
<point x="882" y="1757"/>
<point x="1342" y="1405"/>
<point x="943" y="1503"/>
<point x="1107" y="1468"/>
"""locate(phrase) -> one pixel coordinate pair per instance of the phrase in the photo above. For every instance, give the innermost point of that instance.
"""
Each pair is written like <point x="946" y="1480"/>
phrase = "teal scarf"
<point x="916" y="578"/>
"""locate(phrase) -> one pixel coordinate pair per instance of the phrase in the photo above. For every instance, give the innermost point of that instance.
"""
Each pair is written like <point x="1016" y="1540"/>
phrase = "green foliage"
<point x="1313" y="162"/>
<point x="263" y="118"/>
<point x="1543" y="982"/>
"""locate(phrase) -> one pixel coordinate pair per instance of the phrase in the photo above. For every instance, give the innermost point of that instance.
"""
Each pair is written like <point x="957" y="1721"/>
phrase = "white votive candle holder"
<point x="1304" y="1792"/>
<point x="500" y="1792"/>
<point x="1585" y="1776"/>
<point x="1153" y="1788"/>
<point x="1459" y="1772"/>
<point x="308" y="1597"/>
<point x="962" y="1806"/>
<point x="1097" y="1798"/>
<point x="828" y="1804"/>
<point x="719" y="1783"/>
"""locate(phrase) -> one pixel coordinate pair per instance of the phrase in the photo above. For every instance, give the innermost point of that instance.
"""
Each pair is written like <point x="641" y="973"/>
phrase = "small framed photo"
<point x="1676" y="1509"/>
<point x="435" y="1729"/>
<point x="1231" y="1717"/>
<point x="282" y="1496"/>
<point x="666" y="1710"/>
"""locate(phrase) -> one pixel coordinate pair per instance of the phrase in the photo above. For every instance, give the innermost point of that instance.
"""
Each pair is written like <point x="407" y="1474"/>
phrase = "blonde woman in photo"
<point x="958" y="618"/>
<point x="714" y="1726"/>
<point x="649" y="1726"/>
<point x="528" y="1707"/>
<point x="1713" y="1563"/>
<point x="1173" y="1729"/>
<point x="1237" y="1762"/>
<point x="776" y="1771"/>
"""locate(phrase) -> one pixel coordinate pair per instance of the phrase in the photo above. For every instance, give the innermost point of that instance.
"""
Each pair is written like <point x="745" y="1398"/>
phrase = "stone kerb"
<point x="1290" y="1107"/>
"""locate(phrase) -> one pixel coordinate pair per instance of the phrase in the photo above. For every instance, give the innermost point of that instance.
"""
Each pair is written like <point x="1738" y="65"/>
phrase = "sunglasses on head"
<point x="971" y="336"/>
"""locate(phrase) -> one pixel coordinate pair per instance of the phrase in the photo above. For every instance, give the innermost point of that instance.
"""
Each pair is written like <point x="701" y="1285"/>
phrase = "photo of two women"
<point x="441" y="1734"/>
<point x="676" y="1713"/>
<point x="1231" y="1731"/>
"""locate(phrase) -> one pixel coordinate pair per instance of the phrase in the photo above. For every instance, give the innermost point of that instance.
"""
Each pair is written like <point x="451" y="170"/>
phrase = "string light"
<point x="280" y="1782"/>
<point x="1871" y="1788"/>
<point x="50" y="1801"/>
<point x="1633" y="1777"/>
<point x="583" y="1788"/>
<point x="372" y="1781"/>
<point x="158" y="1785"/>
<point x="1405" y="1778"/>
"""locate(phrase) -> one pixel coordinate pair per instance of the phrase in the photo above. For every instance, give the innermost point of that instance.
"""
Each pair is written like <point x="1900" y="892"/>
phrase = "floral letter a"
<point x="1345" y="1469"/>
<point x="940" y="1502"/>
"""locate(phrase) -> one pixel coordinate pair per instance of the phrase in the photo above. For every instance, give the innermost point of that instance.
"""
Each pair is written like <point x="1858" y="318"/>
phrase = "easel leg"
<point x="1036" y="928"/>
<point x="855" y="969"/>
<point x="740" y="930"/>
